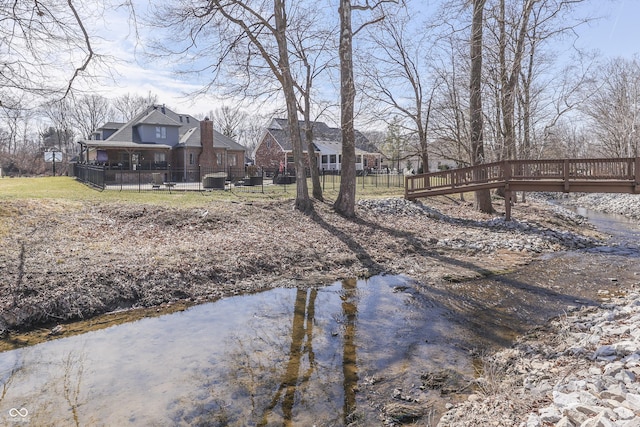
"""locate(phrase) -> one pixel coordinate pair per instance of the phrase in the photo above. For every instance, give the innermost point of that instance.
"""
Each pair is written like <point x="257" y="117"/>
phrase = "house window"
<point x="161" y="132"/>
<point x="219" y="158"/>
<point x="187" y="119"/>
<point x="325" y="158"/>
<point x="102" y="156"/>
<point x="289" y="159"/>
<point x="232" y="160"/>
<point x="365" y="162"/>
<point x="191" y="159"/>
<point x="332" y="158"/>
<point x="159" y="160"/>
<point x="268" y="143"/>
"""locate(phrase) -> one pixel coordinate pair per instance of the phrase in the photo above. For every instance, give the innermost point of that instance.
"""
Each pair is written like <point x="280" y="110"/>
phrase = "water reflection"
<point x="324" y="356"/>
<point x="625" y="232"/>
<point x="349" y="299"/>
<point x="283" y="357"/>
<point x="301" y="345"/>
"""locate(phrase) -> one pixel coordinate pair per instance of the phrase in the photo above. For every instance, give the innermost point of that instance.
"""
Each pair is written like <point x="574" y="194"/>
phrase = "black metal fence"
<point x="331" y="180"/>
<point x="249" y="179"/>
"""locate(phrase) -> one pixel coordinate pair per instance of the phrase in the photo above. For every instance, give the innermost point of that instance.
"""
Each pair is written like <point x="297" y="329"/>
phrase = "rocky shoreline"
<point x="582" y="369"/>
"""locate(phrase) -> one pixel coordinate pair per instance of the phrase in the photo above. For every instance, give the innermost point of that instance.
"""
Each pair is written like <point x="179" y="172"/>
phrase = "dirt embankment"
<point x="62" y="261"/>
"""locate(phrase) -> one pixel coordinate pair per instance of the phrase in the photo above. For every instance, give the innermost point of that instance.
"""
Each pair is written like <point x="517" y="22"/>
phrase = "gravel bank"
<point x="582" y="369"/>
<point x="621" y="204"/>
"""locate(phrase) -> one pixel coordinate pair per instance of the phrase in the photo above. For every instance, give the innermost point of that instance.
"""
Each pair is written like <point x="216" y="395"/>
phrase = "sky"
<point x="617" y="33"/>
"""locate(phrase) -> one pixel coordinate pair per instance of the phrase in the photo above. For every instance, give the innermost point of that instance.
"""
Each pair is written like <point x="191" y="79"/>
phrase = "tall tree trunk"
<point x="302" y="203"/>
<point x="509" y="76"/>
<point x="346" y="201"/>
<point x="316" y="186"/>
<point x="483" y="197"/>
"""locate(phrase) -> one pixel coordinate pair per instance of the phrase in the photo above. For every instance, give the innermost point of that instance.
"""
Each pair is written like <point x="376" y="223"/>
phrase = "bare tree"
<point x="13" y="113"/>
<point x="250" y="135"/>
<point x="90" y="112"/>
<point x="229" y="120"/>
<point x="483" y="197"/>
<point x="40" y="39"/>
<point x="257" y="32"/>
<point x="451" y="112"/>
<point x="509" y="71"/>
<point x="60" y="113"/>
<point x="520" y="34"/>
<point x="130" y="105"/>
<point x="310" y="45"/>
<point x="346" y="201"/>
<point x="399" y="79"/>
<point x="614" y="109"/>
<point x="20" y="145"/>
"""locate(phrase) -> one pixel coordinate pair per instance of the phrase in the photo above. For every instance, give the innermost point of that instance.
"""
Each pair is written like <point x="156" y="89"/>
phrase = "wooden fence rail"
<point x="620" y="175"/>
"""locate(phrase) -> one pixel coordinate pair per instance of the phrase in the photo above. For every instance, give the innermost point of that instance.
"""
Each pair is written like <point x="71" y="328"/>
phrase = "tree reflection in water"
<point x="349" y="362"/>
<point x="55" y="396"/>
<point x="301" y="344"/>
<point x="264" y="384"/>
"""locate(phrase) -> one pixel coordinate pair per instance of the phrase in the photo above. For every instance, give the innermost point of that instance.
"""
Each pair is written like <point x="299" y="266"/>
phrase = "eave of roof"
<point x="124" y="144"/>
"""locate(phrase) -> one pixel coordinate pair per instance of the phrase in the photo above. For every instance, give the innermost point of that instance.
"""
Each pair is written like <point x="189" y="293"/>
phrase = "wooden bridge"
<point x="561" y="175"/>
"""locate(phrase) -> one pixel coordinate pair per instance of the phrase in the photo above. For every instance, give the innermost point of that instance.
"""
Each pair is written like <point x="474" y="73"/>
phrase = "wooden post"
<point x="507" y="204"/>
<point x="406" y="187"/>
<point x="506" y="172"/>
<point x="565" y="173"/>
<point x="636" y="174"/>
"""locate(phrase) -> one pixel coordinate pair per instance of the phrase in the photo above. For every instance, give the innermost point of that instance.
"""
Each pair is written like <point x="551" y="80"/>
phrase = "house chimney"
<point x="207" y="155"/>
<point x="163" y="110"/>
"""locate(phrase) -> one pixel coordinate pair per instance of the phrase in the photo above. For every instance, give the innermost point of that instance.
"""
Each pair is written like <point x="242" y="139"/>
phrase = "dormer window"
<point x="161" y="132"/>
<point x="187" y="119"/>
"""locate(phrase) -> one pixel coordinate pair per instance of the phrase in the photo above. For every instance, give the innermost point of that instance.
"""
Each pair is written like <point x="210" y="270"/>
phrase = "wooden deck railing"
<point x="620" y="175"/>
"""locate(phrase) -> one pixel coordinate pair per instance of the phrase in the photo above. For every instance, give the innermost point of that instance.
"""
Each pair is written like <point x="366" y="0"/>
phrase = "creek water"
<point x="335" y="355"/>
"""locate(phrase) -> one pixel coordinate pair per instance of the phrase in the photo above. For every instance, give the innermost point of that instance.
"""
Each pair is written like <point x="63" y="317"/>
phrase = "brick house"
<point x="159" y="139"/>
<point x="275" y="151"/>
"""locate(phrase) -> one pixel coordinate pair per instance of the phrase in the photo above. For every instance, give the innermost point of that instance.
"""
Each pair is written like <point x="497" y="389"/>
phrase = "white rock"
<point x="565" y="422"/>
<point x="625" y="348"/>
<point x="613" y="368"/>
<point x="615" y="392"/>
<point x="599" y="421"/>
<point x="626" y="376"/>
<point x="550" y="414"/>
<point x="632" y="402"/>
<point x="604" y="351"/>
<point x="624" y="413"/>
<point x="533" y="421"/>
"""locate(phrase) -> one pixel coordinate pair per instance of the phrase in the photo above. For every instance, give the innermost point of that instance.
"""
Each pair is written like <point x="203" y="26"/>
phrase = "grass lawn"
<point x="67" y="188"/>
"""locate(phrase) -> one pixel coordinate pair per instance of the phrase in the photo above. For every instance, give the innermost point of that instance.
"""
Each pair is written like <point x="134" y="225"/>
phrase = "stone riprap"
<point x="580" y="370"/>
<point x="515" y="235"/>
<point x="587" y="376"/>
<point x="620" y="204"/>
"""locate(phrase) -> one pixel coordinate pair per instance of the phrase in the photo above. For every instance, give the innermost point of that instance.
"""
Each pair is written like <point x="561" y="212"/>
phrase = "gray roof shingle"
<point x="279" y="129"/>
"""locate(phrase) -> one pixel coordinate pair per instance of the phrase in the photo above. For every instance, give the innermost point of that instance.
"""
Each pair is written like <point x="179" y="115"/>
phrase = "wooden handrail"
<point x="621" y="175"/>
